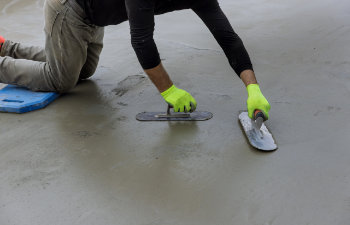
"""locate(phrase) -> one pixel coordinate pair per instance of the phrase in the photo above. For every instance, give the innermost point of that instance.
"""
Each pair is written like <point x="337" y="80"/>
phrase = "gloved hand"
<point x="256" y="100"/>
<point x="179" y="99"/>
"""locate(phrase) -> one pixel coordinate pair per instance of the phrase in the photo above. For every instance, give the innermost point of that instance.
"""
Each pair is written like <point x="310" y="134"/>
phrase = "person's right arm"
<point x="141" y="20"/>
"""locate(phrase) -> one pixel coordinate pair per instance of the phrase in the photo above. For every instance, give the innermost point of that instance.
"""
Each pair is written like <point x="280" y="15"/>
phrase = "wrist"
<point x="248" y="77"/>
<point x="160" y="78"/>
<point x="168" y="91"/>
<point x="253" y="89"/>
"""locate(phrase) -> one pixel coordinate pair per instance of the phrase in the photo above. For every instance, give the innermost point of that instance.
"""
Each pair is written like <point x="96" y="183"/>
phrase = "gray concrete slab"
<point x="86" y="160"/>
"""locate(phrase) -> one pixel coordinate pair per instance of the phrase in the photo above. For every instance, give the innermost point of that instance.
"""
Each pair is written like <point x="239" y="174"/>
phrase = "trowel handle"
<point x="259" y="113"/>
<point x="168" y="110"/>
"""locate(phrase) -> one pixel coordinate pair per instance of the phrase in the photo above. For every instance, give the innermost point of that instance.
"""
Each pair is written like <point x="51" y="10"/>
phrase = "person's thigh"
<point x="93" y="54"/>
<point x="67" y="38"/>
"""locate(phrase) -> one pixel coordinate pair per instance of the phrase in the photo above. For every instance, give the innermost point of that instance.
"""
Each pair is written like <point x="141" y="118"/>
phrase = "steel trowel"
<point x="174" y="116"/>
<point x="256" y="131"/>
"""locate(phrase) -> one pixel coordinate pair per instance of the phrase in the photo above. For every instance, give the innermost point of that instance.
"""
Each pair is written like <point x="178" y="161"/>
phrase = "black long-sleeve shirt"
<point x="140" y="14"/>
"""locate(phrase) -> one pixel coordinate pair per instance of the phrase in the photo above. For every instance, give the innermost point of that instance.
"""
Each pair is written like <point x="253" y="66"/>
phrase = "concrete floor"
<point x="86" y="160"/>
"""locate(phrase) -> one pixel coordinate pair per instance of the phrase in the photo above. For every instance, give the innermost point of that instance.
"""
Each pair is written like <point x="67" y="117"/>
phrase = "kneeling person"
<point x="76" y="28"/>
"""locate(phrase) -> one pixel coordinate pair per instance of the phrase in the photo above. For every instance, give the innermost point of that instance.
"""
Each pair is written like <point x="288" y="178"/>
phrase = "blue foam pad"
<point x="20" y="100"/>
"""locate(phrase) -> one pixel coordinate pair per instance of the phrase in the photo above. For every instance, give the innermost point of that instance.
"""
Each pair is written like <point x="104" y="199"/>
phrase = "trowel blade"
<point x="259" y="138"/>
<point x="163" y="116"/>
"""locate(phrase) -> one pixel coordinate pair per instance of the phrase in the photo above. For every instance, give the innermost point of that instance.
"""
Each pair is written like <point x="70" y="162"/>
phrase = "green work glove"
<point x="257" y="101"/>
<point x="179" y="99"/>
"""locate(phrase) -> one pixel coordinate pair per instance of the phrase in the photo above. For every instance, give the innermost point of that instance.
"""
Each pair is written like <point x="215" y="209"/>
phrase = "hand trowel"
<point x="256" y="131"/>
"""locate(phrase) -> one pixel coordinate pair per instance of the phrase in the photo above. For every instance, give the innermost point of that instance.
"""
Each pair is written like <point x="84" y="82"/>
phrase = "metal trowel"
<point x="256" y="131"/>
<point x="174" y="116"/>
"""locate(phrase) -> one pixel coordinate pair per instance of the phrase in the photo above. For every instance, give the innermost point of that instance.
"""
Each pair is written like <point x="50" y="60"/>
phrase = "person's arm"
<point x="141" y="20"/>
<point x="232" y="45"/>
<point x="218" y="24"/>
<point x="248" y="77"/>
<point x="159" y="77"/>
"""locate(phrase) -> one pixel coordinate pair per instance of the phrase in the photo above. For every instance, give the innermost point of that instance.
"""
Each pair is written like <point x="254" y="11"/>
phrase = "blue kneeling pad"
<point x="20" y="100"/>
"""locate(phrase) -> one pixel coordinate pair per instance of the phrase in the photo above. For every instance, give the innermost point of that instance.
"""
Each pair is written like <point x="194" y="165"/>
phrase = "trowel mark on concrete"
<point x="85" y="133"/>
<point x="220" y="96"/>
<point x="9" y="5"/>
<point x="128" y="83"/>
<point x="122" y="103"/>
<point x="122" y="118"/>
<point x="330" y="109"/>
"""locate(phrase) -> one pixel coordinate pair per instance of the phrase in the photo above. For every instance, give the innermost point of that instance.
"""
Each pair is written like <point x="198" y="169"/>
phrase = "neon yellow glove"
<point x="179" y="99"/>
<point x="256" y="100"/>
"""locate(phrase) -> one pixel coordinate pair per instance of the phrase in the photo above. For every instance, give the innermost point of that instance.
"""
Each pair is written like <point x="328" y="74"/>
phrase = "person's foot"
<point x="2" y="41"/>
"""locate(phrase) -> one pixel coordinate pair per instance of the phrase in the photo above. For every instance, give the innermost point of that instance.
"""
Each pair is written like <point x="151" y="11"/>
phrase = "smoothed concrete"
<point x="86" y="160"/>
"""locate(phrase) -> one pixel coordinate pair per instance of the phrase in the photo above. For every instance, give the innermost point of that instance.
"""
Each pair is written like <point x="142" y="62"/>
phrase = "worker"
<point x="74" y="32"/>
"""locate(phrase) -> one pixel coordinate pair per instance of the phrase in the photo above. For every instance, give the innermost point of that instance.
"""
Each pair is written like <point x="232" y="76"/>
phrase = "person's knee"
<point x="87" y="72"/>
<point x="65" y="87"/>
<point x="86" y="75"/>
<point x="64" y="80"/>
<point x="65" y="84"/>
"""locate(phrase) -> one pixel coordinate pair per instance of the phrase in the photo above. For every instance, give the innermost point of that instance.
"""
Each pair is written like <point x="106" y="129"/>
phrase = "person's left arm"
<point x="237" y="55"/>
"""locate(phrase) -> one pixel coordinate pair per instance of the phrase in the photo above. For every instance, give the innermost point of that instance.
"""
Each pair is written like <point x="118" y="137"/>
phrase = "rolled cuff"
<point x="150" y="64"/>
<point x="238" y="70"/>
<point x="4" y="47"/>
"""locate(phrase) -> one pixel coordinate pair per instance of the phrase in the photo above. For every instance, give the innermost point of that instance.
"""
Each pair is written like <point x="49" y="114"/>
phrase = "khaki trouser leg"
<point x="21" y="51"/>
<point x="37" y="53"/>
<point x="67" y="52"/>
<point x="93" y="54"/>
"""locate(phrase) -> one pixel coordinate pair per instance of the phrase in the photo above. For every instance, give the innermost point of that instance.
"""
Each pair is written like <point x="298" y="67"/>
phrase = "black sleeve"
<point x="141" y="19"/>
<point x="218" y="24"/>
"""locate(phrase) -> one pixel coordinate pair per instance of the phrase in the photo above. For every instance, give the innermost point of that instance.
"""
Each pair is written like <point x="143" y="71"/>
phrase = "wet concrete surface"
<point x="86" y="160"/>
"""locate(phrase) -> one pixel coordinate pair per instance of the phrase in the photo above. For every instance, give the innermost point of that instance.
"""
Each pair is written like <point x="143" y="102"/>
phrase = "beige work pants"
<point x="71" y="51"/>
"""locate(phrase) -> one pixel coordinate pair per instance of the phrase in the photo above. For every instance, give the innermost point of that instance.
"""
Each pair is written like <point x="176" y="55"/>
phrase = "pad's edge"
<point x="26" y="107"/>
